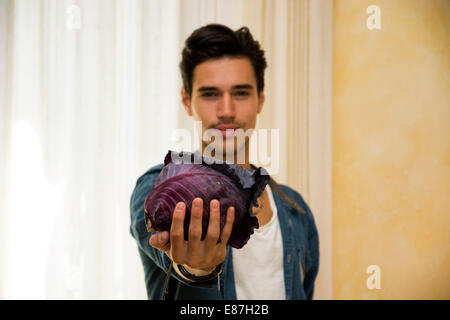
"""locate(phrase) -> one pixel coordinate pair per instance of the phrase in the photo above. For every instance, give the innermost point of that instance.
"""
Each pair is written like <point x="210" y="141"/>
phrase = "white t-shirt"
<point x="258" y="266"/>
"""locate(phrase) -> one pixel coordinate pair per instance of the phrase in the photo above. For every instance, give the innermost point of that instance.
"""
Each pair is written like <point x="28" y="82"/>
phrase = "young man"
<point x="223" y="83"/>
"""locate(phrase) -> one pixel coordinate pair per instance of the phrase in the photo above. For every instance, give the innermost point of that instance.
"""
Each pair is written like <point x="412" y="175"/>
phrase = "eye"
<point x="242" y="93"/>
<point x="209" y="94"/>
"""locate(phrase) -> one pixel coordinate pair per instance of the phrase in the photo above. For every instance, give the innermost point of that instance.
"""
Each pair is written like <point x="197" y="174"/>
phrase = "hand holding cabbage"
<point x="187" y="176"/>
<point x="201" y="255"/>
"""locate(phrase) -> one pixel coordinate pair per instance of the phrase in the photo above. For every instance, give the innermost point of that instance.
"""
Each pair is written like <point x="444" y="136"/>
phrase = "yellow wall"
<point x="391" y="149"/>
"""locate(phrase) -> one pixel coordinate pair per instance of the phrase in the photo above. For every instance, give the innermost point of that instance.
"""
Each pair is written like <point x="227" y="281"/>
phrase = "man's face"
<point x="224" y="95"/>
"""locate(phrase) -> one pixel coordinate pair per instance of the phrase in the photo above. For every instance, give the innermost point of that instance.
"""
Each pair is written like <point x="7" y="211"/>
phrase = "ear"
<point x="261" y="99"/>
<point x="186" y="101"/>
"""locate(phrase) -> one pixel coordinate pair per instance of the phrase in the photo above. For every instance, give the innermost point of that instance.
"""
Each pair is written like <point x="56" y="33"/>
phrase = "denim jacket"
<point x="300" y="251"/>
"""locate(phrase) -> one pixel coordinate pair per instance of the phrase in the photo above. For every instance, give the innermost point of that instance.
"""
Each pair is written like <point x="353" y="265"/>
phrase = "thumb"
<point x="160" y="240"/>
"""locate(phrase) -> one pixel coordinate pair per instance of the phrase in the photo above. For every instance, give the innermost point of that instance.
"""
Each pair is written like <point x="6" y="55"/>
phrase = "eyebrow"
<point x="238" y="86"/>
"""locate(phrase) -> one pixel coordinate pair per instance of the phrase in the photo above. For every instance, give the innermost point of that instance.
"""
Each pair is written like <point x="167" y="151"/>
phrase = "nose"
<point x="226" y="109"/>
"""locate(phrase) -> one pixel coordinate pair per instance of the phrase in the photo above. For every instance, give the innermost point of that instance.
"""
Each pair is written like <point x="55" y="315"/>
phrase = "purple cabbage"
<point x="186" y="176"/>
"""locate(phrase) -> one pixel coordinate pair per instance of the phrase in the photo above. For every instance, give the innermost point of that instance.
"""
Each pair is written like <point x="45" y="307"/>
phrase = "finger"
<point x="212" y="235"/>
<point x="177" y="233"/>
<point x="226" y="232"/>
<point x="195" y="226"/>
<point x="160" y="240"/>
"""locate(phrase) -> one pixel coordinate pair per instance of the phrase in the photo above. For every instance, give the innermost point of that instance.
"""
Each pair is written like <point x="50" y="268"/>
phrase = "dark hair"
<point x="215" y="41"/>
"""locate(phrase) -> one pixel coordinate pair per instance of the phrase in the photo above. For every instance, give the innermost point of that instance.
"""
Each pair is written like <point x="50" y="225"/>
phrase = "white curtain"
<point x="89" y="99"/>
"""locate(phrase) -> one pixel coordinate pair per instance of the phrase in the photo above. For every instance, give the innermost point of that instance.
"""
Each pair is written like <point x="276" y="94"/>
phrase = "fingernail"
<point x="180" y="206"/>
<point x="196" y="203"/>
<point x="215" y="204"/>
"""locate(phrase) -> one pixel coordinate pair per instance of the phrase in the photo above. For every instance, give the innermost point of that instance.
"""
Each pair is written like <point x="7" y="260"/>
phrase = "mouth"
<point x="227" y="131"/>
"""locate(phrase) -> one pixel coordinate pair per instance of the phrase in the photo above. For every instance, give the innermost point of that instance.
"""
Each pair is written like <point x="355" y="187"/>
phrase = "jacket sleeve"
<point x="312" y="254"/>
<point x="137" y="228"/>
<point x="139" y="231"/>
